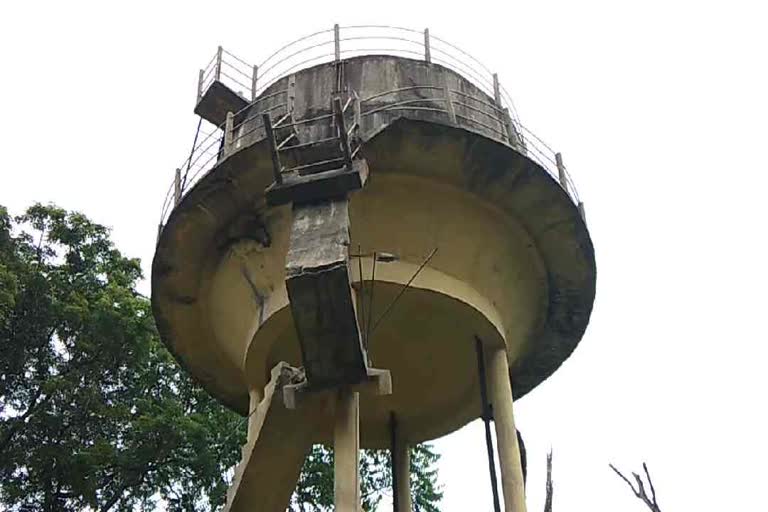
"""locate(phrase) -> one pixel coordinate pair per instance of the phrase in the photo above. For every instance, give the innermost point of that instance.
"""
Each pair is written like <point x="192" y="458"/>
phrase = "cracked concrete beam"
<point x="318" y="284"/>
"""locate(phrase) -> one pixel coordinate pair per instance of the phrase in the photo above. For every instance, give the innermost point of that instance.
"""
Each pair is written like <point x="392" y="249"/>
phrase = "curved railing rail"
<point x="338" y="43"/>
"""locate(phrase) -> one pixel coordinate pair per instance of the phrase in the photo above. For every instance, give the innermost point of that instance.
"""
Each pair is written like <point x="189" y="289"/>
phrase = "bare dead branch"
<point x="636" y="493"/>
<point x="650" y="482"/>
<point x="640" y="492"/>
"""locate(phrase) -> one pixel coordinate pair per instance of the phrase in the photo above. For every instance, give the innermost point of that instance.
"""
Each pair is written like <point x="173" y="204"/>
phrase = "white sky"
<point x="659" y="109"/>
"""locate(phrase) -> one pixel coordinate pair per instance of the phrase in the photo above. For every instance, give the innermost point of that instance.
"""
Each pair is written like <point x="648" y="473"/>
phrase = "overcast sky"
<point x="659" y="109"/>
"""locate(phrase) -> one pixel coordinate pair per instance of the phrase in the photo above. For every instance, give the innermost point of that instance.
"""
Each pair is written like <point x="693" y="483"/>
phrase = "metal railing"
<point x="231" y="71"/>
<point x="499" y="115"/>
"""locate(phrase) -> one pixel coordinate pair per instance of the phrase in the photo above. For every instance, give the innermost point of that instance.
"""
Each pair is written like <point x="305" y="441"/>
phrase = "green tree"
<point x="314" y="491"/>
<point x="94" y="411"/>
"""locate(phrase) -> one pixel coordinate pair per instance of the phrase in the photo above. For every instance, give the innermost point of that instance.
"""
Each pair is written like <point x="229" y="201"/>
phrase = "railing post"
<point x="229" y="127"/>
<point x="219" y="53"/>
<point x="200" y="77"/>
<point x="254" y="78"/>
<point x="561" y="171"/>
<point x="448" y="100"/>
<point x="277" y="167"/>
<point x="336" y="42"/>
<point x="581" y="211"/>
<point x="177" y="188"/>
<point x="496" y="91"/>
<point x="514" y="136"/>
<point x="427" y="52"/>
<point x="343" y="135"/>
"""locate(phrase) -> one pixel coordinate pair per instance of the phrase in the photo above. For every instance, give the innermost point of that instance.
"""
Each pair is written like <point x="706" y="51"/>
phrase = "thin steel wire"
<point x="235" y="68"/>
<point x="293" y="43"/>
<point x="238" y="59"/>
<point x="266" y="71"/>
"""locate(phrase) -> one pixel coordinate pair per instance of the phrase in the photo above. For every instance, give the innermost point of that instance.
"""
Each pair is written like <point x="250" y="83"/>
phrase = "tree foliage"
<point x="94" y="411"/>
<point x="314" y="491"/>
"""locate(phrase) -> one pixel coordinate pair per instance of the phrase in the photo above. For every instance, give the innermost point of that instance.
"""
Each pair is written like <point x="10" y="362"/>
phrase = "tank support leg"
<point x="346" y="444"/>
<point x="401" y="468"/>
<point x="500" y="391"/>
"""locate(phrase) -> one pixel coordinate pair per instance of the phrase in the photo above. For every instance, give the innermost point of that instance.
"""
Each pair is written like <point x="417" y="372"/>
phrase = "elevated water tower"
<point x="366" y="215"/>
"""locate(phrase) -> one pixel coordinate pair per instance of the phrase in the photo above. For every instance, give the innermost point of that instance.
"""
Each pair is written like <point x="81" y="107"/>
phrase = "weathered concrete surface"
<point x="317" y="279"/>
<point x="515" y="264"/>
<point x="217" y="100"/>
<point x="346" y="446"/>
<point x="334" y="183"/>
<point x="278" y="442"/>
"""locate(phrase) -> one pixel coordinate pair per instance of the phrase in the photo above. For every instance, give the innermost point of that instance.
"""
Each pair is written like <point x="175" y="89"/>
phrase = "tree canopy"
<point x="94" y="411"/>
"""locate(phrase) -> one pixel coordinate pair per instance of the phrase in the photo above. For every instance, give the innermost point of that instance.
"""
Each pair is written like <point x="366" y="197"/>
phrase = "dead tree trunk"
<point x="640" y="492"/>
<point x="548" y="501"/>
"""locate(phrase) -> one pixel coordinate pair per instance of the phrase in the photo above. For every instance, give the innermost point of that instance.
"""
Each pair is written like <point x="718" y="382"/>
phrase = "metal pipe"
<point x="427" y="52"/>
<point x="253" y="82"/>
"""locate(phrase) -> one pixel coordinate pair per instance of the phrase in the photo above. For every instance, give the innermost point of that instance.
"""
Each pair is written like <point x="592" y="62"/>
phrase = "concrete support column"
<point x="500" y="391"/>
<point x="402" y="471"/>
<point x="346" y="444"/>
<point x="401" y="468"/>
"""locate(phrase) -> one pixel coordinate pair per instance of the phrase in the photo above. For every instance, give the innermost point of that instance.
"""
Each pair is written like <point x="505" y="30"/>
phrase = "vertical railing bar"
<point x="448" y="100"/>
<point x="218" y="63"/>
<point x="229" y="128"/>
<point x="254" y="78"/>
<point x="336" y="42"/>
<point x="177" y="187"/>
<point x="342" y="131"/>
<point x="561" y="171"/>
<point x="200" y="77"/>
<point x="276" y="166"/>
<point x="496" y="91"/>
<point x="427" y="51"/>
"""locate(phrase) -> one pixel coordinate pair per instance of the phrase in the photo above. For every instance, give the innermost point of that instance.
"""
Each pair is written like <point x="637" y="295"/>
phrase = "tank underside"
<point x="514" y="264"/>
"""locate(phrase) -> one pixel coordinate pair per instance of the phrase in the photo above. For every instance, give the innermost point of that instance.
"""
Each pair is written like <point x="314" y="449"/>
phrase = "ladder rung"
<point x="315" y="164"/>
<point x="282" y="144"/>
<point x="280" y="121"/>
<point x="310" y="143"/>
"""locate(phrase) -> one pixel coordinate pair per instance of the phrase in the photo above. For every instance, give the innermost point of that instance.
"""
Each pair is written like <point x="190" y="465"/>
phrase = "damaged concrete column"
<point x="500" y="391"/>
<point x="346" y="447"/>
<point x="318" y="283"/>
